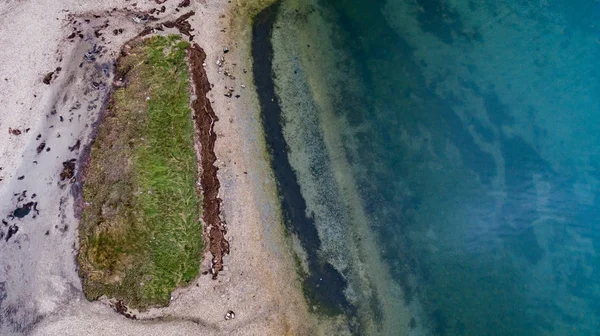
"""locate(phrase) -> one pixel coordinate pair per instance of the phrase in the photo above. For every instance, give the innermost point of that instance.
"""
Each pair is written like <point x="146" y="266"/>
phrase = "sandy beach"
<point x="56" y="65"/>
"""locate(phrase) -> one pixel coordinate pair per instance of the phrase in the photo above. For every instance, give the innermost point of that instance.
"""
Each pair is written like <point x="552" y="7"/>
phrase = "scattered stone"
<point x="229" y="92"/>
<point x="97" y="85"/>
<point x="184" y="3"/>
<point x="21" y="177"/>
<point x="14" y="131"/>
<point x="91" y="54"/>
<point x="122" y="309"/>
<point x="75" y="146"/>
<point x="68" y="170"/>
<point x="11" y="231"/>
<point x="48" y="78"/>
<point x="75" y="106"/>
<point x="143" y="18"/>
<point x="119" y="83"/>
<point x="51" y="75"/>
<point x="41" y="147"/>
<point x="230" y="315"/>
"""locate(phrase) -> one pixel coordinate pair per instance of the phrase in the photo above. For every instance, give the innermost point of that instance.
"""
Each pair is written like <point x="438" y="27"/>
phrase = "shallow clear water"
<point x="467" y="134"/>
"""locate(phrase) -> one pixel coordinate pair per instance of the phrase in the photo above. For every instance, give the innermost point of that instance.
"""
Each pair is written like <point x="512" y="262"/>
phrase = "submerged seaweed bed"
<point x="322" y="284"/>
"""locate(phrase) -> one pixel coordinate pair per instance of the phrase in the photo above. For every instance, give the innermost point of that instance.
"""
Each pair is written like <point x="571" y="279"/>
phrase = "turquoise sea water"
<point x="464" y="137"/>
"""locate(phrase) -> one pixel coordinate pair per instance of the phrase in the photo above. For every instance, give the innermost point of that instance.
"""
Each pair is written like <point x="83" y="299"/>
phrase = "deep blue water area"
<point x="472" y="132"/>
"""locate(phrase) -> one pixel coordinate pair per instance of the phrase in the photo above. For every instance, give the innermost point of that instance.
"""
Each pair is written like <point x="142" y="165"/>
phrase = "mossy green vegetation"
<point x="140" y="234"/>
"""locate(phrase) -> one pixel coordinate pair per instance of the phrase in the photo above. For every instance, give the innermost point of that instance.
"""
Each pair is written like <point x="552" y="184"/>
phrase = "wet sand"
<point x="40" y="292"/>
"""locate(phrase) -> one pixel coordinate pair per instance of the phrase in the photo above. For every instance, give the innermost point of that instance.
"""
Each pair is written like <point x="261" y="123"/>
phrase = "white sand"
<point x="40" y="292"/>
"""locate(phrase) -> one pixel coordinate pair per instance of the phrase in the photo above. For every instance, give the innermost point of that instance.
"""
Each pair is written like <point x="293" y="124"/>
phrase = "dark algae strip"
<point x="324" y="286"/>
<point x="140" y="232"/>
<point x="205" y="119"/>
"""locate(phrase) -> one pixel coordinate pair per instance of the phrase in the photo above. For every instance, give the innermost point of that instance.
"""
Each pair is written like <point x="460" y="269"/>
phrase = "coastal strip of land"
<point x="256" y="290"/>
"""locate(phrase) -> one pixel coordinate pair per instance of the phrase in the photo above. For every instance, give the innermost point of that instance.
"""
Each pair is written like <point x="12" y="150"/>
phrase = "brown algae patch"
<point x="205" y="119"/>
<point x="140" y="232"/>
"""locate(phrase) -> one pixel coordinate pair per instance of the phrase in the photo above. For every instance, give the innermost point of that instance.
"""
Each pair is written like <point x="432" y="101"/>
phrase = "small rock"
<point x="68" y="170"/>
<point x="41" y="147"/>
<point x="48" y="78"/>
<point x="225" y="50"/>
<point x="230" y="315"/>
<point x="119" y="83"/>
